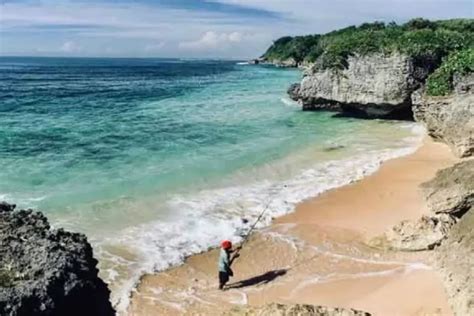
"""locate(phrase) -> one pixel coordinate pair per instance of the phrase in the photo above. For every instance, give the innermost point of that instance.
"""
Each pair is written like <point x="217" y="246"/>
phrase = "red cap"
<point x="226" y="244"/>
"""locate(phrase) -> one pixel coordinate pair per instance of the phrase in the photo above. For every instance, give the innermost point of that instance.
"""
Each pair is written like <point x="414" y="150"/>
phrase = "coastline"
<point x="289" y="263"/>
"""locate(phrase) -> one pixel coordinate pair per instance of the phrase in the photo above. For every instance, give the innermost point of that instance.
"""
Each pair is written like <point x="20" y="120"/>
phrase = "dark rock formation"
<point x="47" y="272"/>
<point x="372" y="86"/>
<point x="294" y="310"/>
<point x="450" y="118"/>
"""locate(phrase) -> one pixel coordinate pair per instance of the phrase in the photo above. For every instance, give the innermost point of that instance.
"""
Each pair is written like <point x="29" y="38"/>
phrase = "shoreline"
<point x="303" y="267"/>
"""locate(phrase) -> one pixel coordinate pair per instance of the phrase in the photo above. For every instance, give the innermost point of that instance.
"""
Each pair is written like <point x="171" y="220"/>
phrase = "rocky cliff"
<point x="451" y="193"/>
<point x="455" y="261"/>
<point x="372" y="86"/>
<point x="448" y="231"/>
<point x="449" y="196"/>
<point x="45" y="271"/>
<point x="449" y="118"/>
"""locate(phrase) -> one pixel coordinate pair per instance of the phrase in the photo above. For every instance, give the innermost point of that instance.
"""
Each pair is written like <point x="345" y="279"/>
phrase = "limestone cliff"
<point x="373" y="86"/>
<point x="452" y="192"/>
<point x="45" y="271"/>
<point x="455" y="261"/>
<point x="450" y="118"/>
<point x="448" y="230"/>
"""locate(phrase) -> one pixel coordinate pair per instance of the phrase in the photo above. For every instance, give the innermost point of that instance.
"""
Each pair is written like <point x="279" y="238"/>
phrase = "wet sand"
<point x="318" y="254"/>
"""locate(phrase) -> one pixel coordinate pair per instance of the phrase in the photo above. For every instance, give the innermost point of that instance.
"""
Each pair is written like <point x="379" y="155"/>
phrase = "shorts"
<point x="223" y="277"/>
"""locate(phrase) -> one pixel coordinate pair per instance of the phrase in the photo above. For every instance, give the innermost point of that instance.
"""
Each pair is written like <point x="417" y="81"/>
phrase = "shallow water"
<point x="157" y="159"/>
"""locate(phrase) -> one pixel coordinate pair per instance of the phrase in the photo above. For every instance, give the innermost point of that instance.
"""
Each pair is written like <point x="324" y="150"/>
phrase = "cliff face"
<point x="47" y="272"/>
<point x="452" y="192"/>
<point x="455" y="260"/>
<point x="450" y="118"/>
<point x="448" y="230"/>
<point x="373" y="86"/>
<point x="392" y="87"/>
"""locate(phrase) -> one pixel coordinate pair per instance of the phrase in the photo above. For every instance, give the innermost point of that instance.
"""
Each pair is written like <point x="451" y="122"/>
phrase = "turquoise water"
<point x="157" y="159"/>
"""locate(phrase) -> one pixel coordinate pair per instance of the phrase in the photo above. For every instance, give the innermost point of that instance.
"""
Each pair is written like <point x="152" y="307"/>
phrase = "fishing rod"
<point x="252" y="227"/>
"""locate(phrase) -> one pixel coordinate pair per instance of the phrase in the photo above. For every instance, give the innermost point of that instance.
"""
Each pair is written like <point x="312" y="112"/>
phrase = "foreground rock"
<point x="372" y="86"/>
<point x="449" y="195"/>
<point x="423" y="234"/>
<point x="47" y="272"/>
<point x="450" y="118"/>
<point x="451" y="191"/>
<point x="455" y="261"/>
<point x="295" y="310"/>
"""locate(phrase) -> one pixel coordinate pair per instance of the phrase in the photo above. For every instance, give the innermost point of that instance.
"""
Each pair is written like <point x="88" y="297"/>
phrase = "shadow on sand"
<point x="258" y="280"/>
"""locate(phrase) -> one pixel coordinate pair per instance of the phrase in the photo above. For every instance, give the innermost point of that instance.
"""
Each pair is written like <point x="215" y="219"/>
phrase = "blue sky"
<point x="190" y="28"/>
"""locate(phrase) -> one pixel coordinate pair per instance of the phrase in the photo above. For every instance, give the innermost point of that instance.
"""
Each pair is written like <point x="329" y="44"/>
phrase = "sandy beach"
<point x="318" y="255"/>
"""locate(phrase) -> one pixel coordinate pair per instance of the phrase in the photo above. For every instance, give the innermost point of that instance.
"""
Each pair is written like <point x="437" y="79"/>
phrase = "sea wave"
<point x="202" y="219"/>
<point x="287" y="101"/>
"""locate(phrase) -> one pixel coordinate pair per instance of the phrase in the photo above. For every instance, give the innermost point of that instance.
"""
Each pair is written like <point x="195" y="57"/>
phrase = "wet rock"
<point x="449" y="119"/>
<point x="293" y="91"/>
<point x="45" y="271"/>
<point x="294" y="310"/>
<point x="451" y="190"/>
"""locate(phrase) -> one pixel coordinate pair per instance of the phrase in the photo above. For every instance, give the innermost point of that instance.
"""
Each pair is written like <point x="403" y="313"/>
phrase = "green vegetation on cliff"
<point x="426" y="41"/>
<point x="460" y="62"/>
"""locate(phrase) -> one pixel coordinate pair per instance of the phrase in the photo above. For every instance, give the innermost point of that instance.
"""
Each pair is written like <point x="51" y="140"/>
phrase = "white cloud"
<point x="70" y="47"/>
<point x="135" y="28"/>
<point x="213" y="40"/>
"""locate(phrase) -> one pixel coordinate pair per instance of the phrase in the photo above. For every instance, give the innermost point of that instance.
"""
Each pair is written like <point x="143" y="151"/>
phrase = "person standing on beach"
<point x="225" y="261"/>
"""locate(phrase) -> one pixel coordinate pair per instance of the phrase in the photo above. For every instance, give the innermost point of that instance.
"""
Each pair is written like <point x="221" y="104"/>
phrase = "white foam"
<point x="287" y="101"/>
<point x="332" y="277"/>
<point x="203" y="219"/>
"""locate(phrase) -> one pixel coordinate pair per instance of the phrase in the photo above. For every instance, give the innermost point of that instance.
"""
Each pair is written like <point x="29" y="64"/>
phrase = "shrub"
<point x="420" y="23"/>
<point x="440" y="82"/>
<point x="417" y="38"/>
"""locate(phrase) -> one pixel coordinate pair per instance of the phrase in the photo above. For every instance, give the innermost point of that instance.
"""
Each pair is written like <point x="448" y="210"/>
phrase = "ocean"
<point x="158" y="159"/>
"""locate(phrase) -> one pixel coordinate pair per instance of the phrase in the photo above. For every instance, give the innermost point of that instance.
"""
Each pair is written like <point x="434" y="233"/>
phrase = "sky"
<point x="191" y="28"/>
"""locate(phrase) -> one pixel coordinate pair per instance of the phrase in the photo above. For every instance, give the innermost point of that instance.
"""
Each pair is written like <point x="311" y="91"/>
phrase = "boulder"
<point x="451" y="191"/>
<point x="423" y="234"/>
<point x="449" y="119"/>
<point x="294" y="310"/>
<point x="45" y="271"/>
